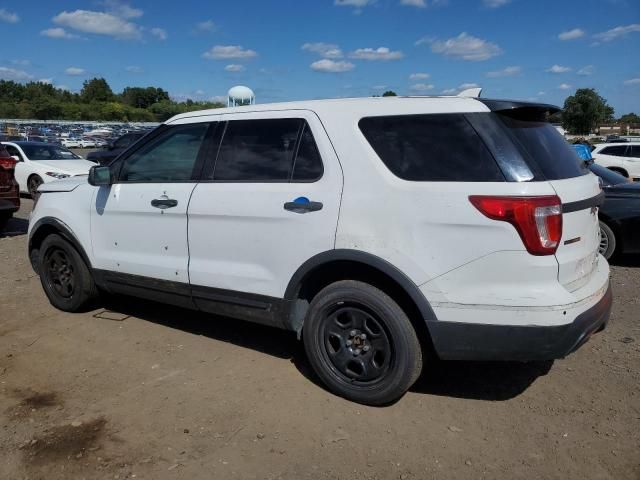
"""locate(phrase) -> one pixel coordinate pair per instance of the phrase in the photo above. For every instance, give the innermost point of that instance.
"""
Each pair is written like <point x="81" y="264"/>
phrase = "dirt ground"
<point x="138" y="390"/>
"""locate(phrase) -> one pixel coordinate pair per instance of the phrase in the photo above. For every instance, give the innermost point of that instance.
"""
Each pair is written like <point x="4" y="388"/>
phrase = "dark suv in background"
<point x="9" y="192"/>
<point x="115" y="148"/>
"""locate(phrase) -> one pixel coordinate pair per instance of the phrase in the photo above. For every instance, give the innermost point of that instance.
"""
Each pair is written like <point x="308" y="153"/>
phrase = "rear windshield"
<point x="435" y="147"/>
<point x="544" y="149"/>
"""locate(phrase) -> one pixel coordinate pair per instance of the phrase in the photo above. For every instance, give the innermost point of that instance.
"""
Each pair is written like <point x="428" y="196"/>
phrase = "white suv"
<point x="622" y="157"/>
<point x="377" y="229"/>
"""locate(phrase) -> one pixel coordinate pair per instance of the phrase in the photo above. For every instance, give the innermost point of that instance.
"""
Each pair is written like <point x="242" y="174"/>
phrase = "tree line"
<point x="95" y="101"/>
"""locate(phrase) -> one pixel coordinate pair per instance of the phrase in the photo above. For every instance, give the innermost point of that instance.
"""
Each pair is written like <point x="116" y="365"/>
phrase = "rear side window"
<point x="617" y="150"/>
<point x="546" y="152"/>
<point x="439" y="148"/>
<point x="635" y="151"/>
<point x="270" y="150"/>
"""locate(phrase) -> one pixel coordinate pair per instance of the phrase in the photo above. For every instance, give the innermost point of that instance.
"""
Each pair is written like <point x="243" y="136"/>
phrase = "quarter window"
<point x="170" y="157"/>
<point x="308" y="164"/>
<point x="634" y="151"/>
<point x="431" y="148"/>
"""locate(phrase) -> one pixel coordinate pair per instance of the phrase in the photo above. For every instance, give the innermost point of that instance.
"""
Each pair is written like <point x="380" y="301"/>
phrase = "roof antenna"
<point x="471" y="92"/>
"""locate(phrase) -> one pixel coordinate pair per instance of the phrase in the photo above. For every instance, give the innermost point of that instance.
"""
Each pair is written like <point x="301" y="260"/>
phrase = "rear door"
<point x="632" y="161"/>
<point x="266" y="204"/>
<point x="552" y="158"/>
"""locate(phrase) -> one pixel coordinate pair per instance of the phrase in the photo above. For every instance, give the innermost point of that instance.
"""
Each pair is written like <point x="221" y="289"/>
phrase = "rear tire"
<point x="65" y="277"/>
<point x="361" y="343"/>
<point x="4" y="219"/>
<point x="607" y="241"/>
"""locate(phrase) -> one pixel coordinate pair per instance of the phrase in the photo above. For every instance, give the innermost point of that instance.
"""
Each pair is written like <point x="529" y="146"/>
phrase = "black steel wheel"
<point x="64" y="275"/>
<point x="361" y="343"/>
<point x="32" y="185"/>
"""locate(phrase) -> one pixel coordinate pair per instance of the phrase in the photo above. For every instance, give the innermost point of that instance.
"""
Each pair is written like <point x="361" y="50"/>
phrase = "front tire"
<point x="32" y="185"/>
<point x="607" y="241"/>
<point x="361" y="343"/>
<point x="65" y="277"/>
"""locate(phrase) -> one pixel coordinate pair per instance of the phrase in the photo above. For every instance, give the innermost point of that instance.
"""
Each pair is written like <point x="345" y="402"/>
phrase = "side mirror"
<point x="99" y="176"/>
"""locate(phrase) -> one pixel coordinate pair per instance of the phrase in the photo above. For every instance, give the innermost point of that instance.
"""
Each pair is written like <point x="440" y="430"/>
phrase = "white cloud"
<point x="464" y="86"/>
<point x="541" y="93"/>
<point x="9" y="17"/>
<point x="74" y="71"/>
<point x="353" y="3"/>
<point x="46" y="81"/>
<point x="159" y="33"/>
<point x="414" y="3"/>
<point x="134" y="69"/>
<point x="450" y="91"/>
<point x="564" y="86"/>
<point x="375" y="54"/>
<point x="234" y="67"/>
<point x="58" y="32"/>
<point x="571" y="34"/>
<point x="206" y="26"/>
<point x="325" y="50"/>
<point x="14" y="74"/>
<point x="632" y="81"/>
<point x="418" y="76"/>
<point x="122" y="10"/>
<point x="379" y="87"/>
<point x="331" y="66"/>
<point x="586" y="70"/>
<point x="99" y="23"/>
<point x="23" y="62"/>
<point x="226" y="52"/>
<point x="617" y="32"/>
<point x="465" y="47"/>
<point x="495" y="3"/>
<point x="558" y="69"/>
<point x="421" y="87"/>
<point x="505" y="72"/>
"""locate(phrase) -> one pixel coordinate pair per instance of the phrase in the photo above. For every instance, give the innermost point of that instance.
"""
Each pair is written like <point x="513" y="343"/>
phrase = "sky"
<point x="539" y="50"/>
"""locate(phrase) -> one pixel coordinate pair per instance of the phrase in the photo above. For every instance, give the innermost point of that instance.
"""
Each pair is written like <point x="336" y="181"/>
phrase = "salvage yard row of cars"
<point x="373" y="228"/>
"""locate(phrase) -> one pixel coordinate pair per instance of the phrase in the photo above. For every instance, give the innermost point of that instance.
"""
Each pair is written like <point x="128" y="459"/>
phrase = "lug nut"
<point x="365" y="348"/>
<point x="363" y="336"/>
<point x="352" y="333"/>
<point x="356" y="352"/>
<point x="349" y="342"/>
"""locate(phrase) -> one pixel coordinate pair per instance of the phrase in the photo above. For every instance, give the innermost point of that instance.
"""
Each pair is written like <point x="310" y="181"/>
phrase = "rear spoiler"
<point x="518" y="108"/>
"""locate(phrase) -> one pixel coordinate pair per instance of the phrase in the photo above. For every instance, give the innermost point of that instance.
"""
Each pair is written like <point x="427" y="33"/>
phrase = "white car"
<point x="377" y="229"/>
<point x="70" y="143"/>
<point x="87" y="143"/>
<point x="40" y="163"/>
<point x="621" y="157"/>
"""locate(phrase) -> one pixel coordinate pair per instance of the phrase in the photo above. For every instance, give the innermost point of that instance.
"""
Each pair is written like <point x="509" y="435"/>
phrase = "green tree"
<point x="96" y="90"/>
<point x="143" y="97"/>
<point x="629" y="118"/>
<point x="584" y="110"/>
<point x="389" y="93"/>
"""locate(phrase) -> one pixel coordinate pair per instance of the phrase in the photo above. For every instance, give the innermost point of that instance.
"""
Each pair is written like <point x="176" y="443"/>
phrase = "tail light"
<point x="8" y="163"/>
<point x="538" y="220"/>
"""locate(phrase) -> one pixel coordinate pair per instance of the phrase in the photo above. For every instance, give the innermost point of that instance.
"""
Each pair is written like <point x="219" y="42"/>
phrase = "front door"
<point x="139" y="223"/>
<point x="269" y="203"/>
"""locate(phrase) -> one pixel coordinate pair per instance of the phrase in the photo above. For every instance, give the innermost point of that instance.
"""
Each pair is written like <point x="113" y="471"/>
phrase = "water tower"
<point x="240" y="95"/>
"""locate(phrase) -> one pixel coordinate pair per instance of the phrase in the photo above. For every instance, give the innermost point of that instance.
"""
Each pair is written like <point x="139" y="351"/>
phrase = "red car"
<point x="9" y="192"/>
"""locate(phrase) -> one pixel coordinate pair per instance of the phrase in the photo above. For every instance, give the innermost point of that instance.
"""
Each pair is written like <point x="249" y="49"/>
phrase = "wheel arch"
<point x="344" y="264"/>
<point x="47" y="226"/>
<point x="622" y="171"/>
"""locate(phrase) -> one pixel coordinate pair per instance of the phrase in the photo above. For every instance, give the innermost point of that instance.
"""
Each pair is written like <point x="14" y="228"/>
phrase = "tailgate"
<point x="577" y="254"/>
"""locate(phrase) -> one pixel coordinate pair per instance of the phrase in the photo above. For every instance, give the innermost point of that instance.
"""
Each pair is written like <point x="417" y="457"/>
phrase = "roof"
<point x="27" y="143"/>
<point x="372" y="104"/>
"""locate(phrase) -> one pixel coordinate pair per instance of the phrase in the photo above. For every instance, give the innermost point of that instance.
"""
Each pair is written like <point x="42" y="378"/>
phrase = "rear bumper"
<point x="475" y="341"/>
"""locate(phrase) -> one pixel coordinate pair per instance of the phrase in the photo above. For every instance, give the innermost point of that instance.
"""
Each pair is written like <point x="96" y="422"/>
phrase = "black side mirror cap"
<point x="100" y="176"/>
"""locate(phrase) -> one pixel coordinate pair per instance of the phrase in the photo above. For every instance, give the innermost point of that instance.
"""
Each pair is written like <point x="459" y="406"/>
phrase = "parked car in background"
<point x="40" y="163"/>
<point x="374" y="228"/>
<point x="621" y="157"/>
<point x="114" y="149"/>
<point x="87" y="143"/>
<point x="9" y="192"/>
<point x="70" y="143"/>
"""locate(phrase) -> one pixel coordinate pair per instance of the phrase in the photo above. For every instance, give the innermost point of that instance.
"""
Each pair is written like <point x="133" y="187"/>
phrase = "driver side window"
<point x="170" y="157"/>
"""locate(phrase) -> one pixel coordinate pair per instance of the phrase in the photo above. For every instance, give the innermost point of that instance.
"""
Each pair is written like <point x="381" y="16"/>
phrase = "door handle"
<point x="164" y="203"/>
<point x="303" y="205"/>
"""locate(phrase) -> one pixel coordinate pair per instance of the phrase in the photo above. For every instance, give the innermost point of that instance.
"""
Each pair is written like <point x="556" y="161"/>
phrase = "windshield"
<point x="48" y="152"/>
